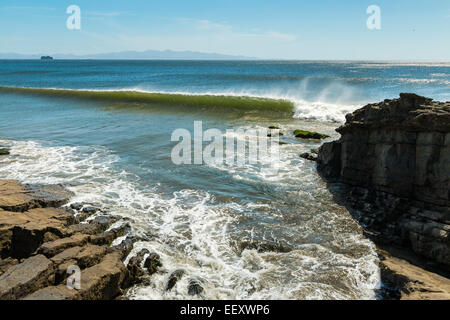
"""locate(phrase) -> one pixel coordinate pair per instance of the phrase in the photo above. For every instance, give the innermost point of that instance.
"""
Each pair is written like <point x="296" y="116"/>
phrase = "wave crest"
<point x="228" y="103"/>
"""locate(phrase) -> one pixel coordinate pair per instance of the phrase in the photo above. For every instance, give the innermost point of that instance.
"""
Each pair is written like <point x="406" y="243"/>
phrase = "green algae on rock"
<point x="304" y="134"/>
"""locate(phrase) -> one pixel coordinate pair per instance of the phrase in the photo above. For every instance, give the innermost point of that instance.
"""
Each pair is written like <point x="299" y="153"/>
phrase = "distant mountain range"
<point x="134" y="55"/>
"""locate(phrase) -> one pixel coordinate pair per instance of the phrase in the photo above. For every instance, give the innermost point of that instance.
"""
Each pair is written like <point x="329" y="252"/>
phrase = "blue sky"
<point x="285" y="29"/>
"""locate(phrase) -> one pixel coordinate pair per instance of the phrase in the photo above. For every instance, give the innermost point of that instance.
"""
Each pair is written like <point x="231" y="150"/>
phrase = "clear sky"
<point x="285" y="29"/>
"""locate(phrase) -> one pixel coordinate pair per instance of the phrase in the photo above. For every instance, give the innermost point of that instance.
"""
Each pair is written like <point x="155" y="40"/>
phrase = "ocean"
<point x="103" y="129"/>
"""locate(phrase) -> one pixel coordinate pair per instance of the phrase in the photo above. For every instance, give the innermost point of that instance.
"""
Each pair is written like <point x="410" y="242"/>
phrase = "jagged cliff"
<point x="395" y="156"/>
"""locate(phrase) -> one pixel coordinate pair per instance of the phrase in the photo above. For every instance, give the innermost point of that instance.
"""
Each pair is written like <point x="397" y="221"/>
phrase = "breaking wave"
<point x="273" y="104"/>
<point x="228" y="103"/>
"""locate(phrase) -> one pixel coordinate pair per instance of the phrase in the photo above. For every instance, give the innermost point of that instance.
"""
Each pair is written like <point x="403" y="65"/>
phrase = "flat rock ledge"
<point x="393" y="163"/>
<point x="42" y="244"/>
<point x="408" y="278"/>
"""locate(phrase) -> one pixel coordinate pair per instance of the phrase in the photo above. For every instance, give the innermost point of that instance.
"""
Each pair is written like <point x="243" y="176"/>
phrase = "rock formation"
<point x="394" y="156"/>
<point x="40" y="242"/>
<point x="411" y="281"/>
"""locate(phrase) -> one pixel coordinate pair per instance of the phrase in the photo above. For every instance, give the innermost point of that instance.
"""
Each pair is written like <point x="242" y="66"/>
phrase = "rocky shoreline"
<point x="41" y="243"/>
<point x="392" y="164"/>
<point x="393" y="161"/>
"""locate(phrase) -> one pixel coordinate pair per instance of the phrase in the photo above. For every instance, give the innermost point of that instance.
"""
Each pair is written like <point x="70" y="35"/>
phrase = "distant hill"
<point x="134" y="55"/>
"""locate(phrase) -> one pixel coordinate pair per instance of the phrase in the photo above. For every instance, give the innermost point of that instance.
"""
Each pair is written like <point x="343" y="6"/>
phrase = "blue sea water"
<point x="207" y="219"/>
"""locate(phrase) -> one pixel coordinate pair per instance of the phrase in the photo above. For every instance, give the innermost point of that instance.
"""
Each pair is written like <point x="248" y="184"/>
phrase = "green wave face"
<point x="244" y="104"/>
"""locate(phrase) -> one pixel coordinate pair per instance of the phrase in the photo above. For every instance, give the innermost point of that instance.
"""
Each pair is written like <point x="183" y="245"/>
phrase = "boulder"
<point x="195" y="286"/>
<point x="308" y="156"/>
<point x="173" y="279"/>
<point x="304" y="134"/>
<point x="152" y="263"/>
<point x="124" y="248"/>
<point x="134" y="265"/>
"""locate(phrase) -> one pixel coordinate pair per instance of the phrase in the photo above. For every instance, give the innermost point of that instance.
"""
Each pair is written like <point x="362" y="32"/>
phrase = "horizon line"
<point x="242" y="59"/>
<point x="221" y="57"/>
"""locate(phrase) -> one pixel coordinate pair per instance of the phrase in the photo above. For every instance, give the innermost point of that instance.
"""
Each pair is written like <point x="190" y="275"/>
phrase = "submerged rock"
<point x="4" y="152"/>
<point x="308" y="156"/>
<point x="173" y="278"/>
<point x="304" y="134"/>
<point x="260" y="245"/>
<point x="152" y="263"/>
<point x="269" y="135"/>
<point x="277" y="132"/>
<point x="195" y="286"/>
